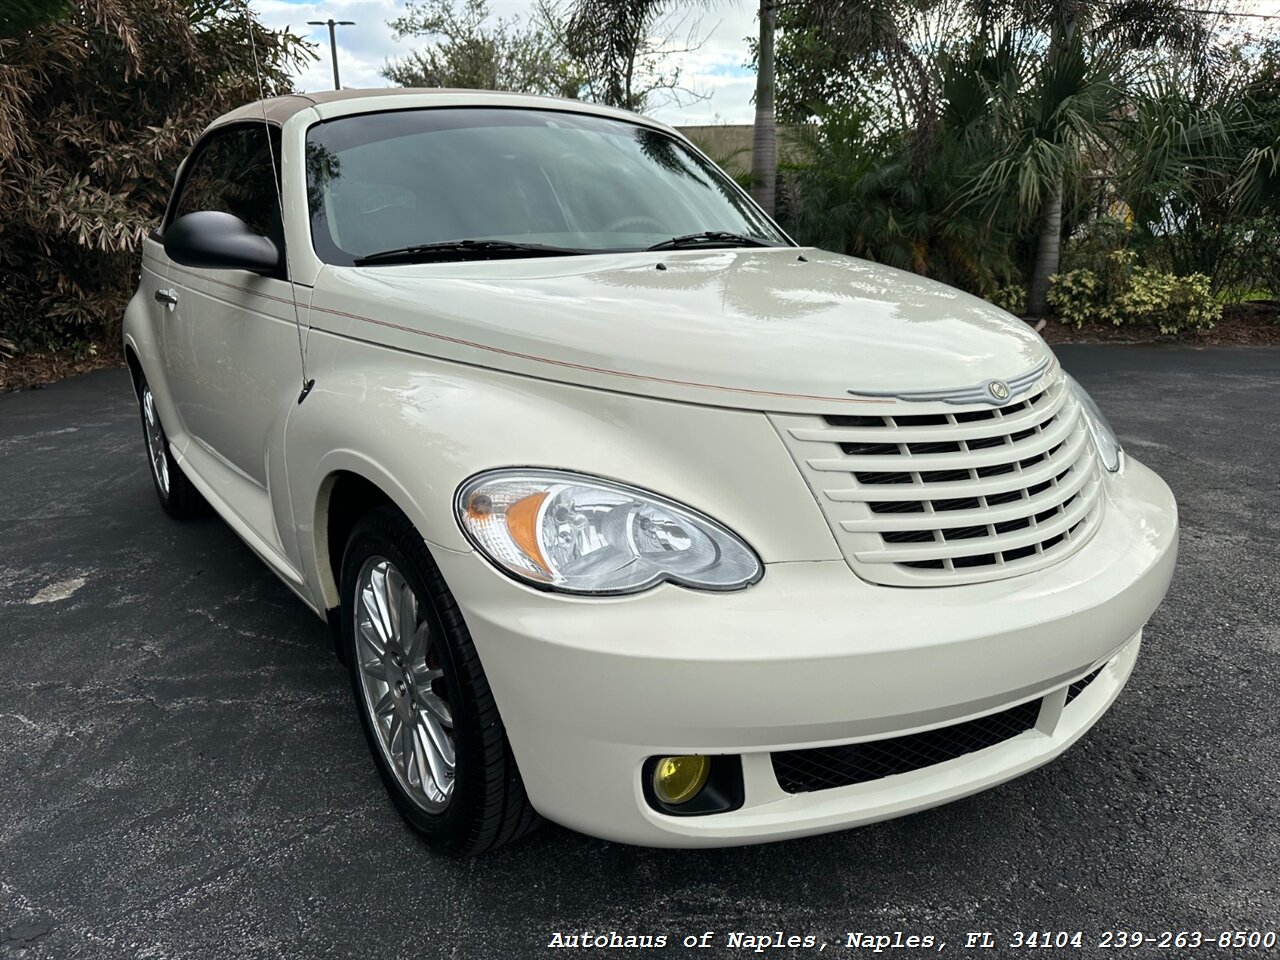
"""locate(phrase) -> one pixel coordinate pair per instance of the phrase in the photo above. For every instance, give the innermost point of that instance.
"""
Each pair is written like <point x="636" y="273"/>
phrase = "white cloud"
<point x="715" y="69"/>
<point x="362" y="49"/>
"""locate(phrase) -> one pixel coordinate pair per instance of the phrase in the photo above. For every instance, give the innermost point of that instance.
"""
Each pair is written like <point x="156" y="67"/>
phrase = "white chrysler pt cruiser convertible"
<point x="626" y="510"/>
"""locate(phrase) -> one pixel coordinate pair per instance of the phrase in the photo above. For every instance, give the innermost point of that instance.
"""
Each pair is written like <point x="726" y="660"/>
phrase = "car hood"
<point x="778" y="328"/>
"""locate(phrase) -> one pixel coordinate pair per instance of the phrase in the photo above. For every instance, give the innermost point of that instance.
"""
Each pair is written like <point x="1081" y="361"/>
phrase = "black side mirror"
<point x="219" y="241"/>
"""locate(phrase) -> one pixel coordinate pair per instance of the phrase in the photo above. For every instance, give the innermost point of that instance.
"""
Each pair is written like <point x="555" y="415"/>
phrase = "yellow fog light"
<point x="677" y="780"/>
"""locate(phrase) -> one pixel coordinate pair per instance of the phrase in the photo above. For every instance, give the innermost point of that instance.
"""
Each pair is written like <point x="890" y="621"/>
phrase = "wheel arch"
<point x="343" y="498"/>
<point x="139" y="331"/>
<point x="344" y="495"/>
<point x="135" y="368"/>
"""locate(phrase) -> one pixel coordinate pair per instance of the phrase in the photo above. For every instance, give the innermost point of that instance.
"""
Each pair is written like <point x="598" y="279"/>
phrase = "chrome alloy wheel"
<point x="157" y="446"/>
<point x="403" y="684"/>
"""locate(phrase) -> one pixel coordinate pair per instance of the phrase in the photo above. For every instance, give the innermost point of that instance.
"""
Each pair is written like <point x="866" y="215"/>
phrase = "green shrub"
<point x="1174" y="304"/>
<point x="1117" y="273"/>
<point x="1127" y="294"/>
<point x="1011" y="297"/>
<point x="1095" y="243"/>
<point x="1075" y="297"/>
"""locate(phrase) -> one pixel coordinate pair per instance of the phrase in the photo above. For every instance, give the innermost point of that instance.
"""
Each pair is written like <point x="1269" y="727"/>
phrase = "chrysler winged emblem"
<point x="994" y="392"/>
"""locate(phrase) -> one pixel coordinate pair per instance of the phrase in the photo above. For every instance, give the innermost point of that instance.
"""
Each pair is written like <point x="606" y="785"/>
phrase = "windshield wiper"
<point x="722" y="238"/>
<point x="465" y="250"/>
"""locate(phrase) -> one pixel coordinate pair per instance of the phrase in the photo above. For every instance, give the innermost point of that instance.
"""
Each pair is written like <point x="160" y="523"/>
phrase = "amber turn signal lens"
<point x="522" y="524"/>
<point x="678" y="780"/>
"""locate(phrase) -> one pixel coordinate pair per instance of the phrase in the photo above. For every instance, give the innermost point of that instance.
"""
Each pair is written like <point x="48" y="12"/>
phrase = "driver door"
<point x="231" y="342"/>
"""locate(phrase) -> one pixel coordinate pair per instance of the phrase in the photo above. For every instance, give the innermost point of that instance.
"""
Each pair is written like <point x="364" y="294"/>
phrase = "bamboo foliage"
<point x="99" y="103"/>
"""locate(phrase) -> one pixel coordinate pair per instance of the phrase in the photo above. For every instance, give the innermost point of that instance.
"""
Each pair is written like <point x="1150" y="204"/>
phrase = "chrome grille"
<point x="949" y="494"/>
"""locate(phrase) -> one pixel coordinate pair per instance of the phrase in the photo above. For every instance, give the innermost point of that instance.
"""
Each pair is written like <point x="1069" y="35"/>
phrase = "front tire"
<point x="424" y="703"/>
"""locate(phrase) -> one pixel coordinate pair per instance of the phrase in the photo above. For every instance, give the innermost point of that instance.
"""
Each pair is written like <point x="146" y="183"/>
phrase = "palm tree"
<point x="1053" y="106"/>
<point x="1091" y="42"/>
<point x="1047" y="115"/>
<point x="764" y="135"/>
<point x="605" y="37"/>
<point x="1200" y="162"/>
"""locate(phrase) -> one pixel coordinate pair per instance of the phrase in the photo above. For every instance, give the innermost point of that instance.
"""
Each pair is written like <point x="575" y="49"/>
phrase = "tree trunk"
<point x="1049" y="244"/>
<point x="764" y="139"/>
<point x="1048" y="249"/>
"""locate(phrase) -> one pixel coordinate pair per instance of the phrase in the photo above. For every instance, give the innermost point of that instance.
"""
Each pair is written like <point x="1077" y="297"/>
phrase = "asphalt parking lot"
<point x="181" y="772"/>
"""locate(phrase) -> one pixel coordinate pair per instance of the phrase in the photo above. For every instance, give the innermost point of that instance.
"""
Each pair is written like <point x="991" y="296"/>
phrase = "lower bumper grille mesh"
<point x="1077" y="688"/>
<point x="821" y="768"/>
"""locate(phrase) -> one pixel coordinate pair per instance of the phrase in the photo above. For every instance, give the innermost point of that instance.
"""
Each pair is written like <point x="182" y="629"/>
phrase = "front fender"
<point x="417" y="427"/>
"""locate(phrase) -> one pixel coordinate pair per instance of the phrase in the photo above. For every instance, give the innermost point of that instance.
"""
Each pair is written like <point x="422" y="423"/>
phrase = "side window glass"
<point x="233" y="173"/>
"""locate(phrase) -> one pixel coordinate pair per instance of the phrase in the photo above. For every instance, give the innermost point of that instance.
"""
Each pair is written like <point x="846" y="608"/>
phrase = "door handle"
<point x="167" y="297"/>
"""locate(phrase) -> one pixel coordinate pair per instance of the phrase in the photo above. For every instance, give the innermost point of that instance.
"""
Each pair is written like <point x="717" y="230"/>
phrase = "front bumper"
<point x="811" y="656"/>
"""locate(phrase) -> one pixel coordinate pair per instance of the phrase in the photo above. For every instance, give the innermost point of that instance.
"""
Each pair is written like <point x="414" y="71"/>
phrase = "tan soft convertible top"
<point x="280" y="109"/>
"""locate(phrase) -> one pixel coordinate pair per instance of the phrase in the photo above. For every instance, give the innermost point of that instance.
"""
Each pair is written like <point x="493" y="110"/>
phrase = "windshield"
<point x="383" y="181"/>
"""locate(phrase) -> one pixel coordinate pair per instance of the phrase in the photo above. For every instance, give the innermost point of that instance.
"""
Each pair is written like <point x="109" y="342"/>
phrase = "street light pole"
<point x="333" y="42"/>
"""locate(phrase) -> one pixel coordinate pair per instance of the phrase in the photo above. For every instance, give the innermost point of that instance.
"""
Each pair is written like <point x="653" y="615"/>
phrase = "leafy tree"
<point x="1086" y="38"/>
<point x="620" y="47"/>
<point x="97" y="109"/>
<point x="866" y="189"/>
<point x="875" y="53"/>
<point x="610" y="39"/>
<point x="614" y="41"/>
<point x="1048" y="118"/>
<point x="1200" y="175"/>
<point x="467" y="49"/>
<point x="1255" y="61"/>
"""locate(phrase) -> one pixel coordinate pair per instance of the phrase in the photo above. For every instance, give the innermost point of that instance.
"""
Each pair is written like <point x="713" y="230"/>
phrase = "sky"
<point x="716" y="71"/>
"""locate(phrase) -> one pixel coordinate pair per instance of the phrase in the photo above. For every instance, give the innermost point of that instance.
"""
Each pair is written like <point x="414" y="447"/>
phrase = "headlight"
<point x="578" y="534"/>
<point x="1104" y="438"/>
